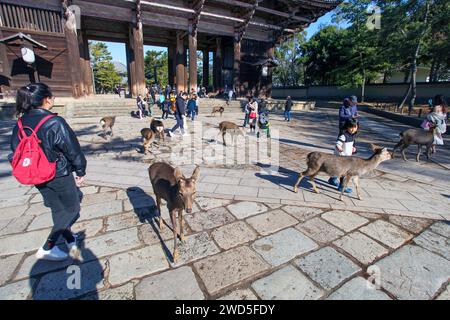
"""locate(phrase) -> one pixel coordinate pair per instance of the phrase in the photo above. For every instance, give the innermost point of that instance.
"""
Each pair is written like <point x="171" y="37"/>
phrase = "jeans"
<point x="63" y="198"/>
<point x="247" y="119"/>
<point x="179" y="123"/>
<point x="193" y="114"/>
<point x="287" y="115"/>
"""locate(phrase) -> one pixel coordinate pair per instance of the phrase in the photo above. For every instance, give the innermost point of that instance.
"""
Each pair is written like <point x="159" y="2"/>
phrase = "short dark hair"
<point x="347" y="103"/>
<point x="31" y="97"/>
<point x="350" y="123"/>
<point x="439" y="100"/>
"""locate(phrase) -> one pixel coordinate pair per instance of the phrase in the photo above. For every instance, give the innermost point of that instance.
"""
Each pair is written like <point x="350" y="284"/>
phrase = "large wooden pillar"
<point x="269" y="82"/>
<point x="193" y="61"/>
<point x="180" y="63"/>
<point x="73" y="51"/>
<point x="172" y="65"/>
<point x="205" y="68"/>
<point x="136" y="61"/>
<point x="218" y="64"/>
<point x="4" y="69"/>
<point x="85" y="64"/>
<point x="237" y="68"/>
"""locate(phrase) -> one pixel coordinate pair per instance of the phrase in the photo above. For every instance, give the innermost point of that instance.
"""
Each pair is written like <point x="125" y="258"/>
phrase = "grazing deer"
<point x="178" y="191"/>
<point x="232" y="128"/>
<point x="148" y="136"/>
<point x="217" y="109"/>
<point x="107" y="123"/>
<point x="157" y="127"/>
<point x="419" y="137"/>
<point x="211" y="95"/>
<point x="347" y="167"/>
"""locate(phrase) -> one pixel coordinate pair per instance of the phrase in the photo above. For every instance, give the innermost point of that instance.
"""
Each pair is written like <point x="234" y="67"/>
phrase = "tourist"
<point x="192" y="108"/>
<point x="150" y="102"/>
<point x="287" y="109"/>
<point x="253" y="108"/>
<point x="140" y="105"/>
<point x="438" y="117"/>
<point x="179" y="114"/>
<point x="345" y="147"/>
<point x="346" y="112"/>
<point x="247" y="112"/>
<point x="230" y="95"/>
<point x="60" y="145"/>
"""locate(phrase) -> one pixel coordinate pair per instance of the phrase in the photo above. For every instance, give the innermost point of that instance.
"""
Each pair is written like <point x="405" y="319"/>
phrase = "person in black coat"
<point x="60" y="144"/>
<point x="179" y="113"/>
<point x="287" y="109"/>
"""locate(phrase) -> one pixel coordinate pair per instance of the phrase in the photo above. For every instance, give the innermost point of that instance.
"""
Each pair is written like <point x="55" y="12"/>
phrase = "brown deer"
<point x="217" y="109"/>
<point x="232" y="128"/>
<point x="148" y="136"/>
<point x="416" y="136"/>
<point x="107" y="123"/>
<point x="157" y="127"/>
<point x="178" y="191"/>
<point x="347" y="167"/>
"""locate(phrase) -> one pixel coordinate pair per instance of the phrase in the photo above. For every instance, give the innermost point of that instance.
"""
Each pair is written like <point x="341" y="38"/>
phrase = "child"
<point x="253" y="107"/>
<point x="192" y="107"/>
<point x="140" y="105"/>
<point x="438" y="117"/>
<point x="345" y="148"/>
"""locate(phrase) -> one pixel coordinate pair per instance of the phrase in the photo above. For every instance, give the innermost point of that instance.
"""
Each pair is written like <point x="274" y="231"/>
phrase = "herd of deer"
<point x="179" y="192"/>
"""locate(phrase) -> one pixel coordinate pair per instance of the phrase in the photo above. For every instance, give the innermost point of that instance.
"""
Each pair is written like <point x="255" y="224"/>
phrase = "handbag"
<point x="425" y="124"/>
<point x="252" y="115"/>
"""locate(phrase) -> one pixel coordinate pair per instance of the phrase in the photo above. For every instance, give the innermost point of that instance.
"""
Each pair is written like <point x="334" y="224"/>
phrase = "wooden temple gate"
<point x="241" y="35"/>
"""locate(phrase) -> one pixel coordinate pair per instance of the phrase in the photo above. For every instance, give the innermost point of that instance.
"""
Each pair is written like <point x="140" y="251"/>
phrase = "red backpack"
<point x="30" y="164"/>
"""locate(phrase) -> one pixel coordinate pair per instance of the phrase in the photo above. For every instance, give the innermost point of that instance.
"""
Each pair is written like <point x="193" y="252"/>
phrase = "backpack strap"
<point x="42" y="122"/>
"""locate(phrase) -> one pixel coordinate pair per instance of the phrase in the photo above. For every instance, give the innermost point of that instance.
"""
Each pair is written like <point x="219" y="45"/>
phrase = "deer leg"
<point x="161" y="221"/>
<point x="223" y="138"/>
<point x="419" y="151"/>
<point x="175" y="234"/>
<point x="298" y="182"/>
<point x="358" y="192"/>
<point x="112" y="134"/>
<point x="403" y="153"/>
<point x="346" y="180"/>
<point x="313" y="182"/>
<point x="181" y="222"/>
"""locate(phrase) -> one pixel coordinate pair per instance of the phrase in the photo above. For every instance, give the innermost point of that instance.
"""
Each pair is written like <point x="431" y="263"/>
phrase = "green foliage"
<point x="159" y="61"/>
<point x="356" y="55"/>
<point x="105" y="75"/>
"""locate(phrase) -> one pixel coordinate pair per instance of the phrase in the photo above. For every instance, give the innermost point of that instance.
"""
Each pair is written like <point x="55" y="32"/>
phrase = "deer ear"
<point x="178" y="174"/>
<point x="374" y="147"/>
<point x="196" y="173"/>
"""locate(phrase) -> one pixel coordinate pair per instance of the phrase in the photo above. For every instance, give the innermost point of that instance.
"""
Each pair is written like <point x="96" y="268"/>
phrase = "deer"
<point x="179" y="192"/>
<point x="347" y="167"/>
<point x="148" y="136"/>
<point x="157" y="127"/>
<point x="107" y="123"/>
<point x="217" y="109"/>
<point x="232" y="128"/>
<point x="419" y="137"/>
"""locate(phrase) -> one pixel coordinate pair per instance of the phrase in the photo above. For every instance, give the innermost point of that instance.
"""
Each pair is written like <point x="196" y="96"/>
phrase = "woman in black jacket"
<point x="287" y="109"/>
<point x="59" y="143"/>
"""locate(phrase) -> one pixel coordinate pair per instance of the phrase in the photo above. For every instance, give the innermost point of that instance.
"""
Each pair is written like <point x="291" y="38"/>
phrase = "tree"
<point x="290" y="69"/>
<point x="105" y="75"/>
<point x="156" y="67"/>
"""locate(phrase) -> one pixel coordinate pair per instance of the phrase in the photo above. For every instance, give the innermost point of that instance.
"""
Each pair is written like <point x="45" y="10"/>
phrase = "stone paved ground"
<point x="250" y="236"/>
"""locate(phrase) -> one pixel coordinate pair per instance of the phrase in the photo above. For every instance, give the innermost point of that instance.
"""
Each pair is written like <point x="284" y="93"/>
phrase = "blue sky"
<point x="118" y="49"/>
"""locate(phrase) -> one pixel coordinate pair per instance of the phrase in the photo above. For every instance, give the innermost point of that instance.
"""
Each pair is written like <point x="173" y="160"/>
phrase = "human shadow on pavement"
<point x="144" y="206"/>
<point x="79" y="276"/>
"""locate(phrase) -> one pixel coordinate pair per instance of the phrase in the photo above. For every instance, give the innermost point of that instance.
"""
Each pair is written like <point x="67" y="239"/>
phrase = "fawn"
<point x="232" y="128"/>
<point x="416" y="136"/>
<point x="178" y="191"/>
<point x="107" y="123"/>
<point x="148" y="136"/>
<point x="348" y="167"/>
<point x="157" y="127"/>
<point x="217" y="109"/>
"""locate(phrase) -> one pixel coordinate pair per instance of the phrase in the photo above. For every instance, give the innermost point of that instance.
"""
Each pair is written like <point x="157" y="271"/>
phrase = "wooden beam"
<point x="137" y="52"/>
<point x="206" y="68"/>
<point x="241" y="28"/>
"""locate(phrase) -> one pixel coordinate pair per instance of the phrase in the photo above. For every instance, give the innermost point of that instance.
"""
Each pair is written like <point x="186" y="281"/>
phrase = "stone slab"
<point x="386" y="233"/>
<point x="327" y="267"/>
<point x="242" y="210"/>
<point x="271" y="222"/>
<point x="283" y="246"/>
<point x="241" y="294"/>
<point x="302" y="213"/>
<point x="434" y="242"/>
<point x="287" y="284"/>
<point x="358" y="289"/>
<point x="344" y="220"/>
<point x="233" y="234"/>
<point x="414" y="225"/>
<point x="209" y="203"/>
<point x="7" y="267"/>
<point x="233" y="266"/>
<point x="319" y="230"/>
<point x="210" y="219"/>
